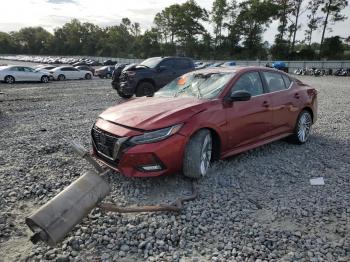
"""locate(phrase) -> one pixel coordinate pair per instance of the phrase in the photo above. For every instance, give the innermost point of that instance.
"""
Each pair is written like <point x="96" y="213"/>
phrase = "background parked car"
<point x="109" y="62"/>
<point x="280" y="65"/>
<point x="69" y="72"/>
<point x="117" y="72"/>
<point x="104" y="72"/>
<point x="12" y="74"/>
<point x="151" y="75"/>
<point x="86" y="68"/>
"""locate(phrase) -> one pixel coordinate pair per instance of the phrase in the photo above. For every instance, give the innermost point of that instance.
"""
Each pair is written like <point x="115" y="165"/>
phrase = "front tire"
<point x="302" y="128"/>
<point x="88" y="76"/>
<point x="44" y="79"/>
<point x="145" y="89"/>
<point x="198" y="153"/>
<point x="9" y="79"/>
<point x="61" y="77"/>
<point x="122" y="95"/>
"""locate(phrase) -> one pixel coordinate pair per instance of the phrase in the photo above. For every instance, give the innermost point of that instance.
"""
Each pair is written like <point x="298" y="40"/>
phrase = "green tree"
<point x="332" y="48"/>
<point x="313" y="19"/>
<point x="7" y="44"/>
<point x="33" y="40"/>
<point x="332" y="10"/>
<point x="252" y="20"/>
<point x="234" y="34"/>
<point x="218" y="14"/>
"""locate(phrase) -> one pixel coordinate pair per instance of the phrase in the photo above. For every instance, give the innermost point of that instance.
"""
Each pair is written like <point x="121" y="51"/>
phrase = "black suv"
<point x="152" y="74"/>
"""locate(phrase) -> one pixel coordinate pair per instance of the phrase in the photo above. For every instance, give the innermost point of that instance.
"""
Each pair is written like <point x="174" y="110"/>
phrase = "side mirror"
<point x="239" y="95"/>
<point x="161" y="68"/>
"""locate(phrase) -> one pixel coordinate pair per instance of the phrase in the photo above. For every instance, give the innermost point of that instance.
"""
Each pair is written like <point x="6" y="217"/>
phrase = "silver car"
<point x="12" y="74"/>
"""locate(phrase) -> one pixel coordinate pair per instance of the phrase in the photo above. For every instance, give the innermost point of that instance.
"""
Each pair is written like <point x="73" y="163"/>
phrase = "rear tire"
<point x="145" y="89"/>
<point x="61" y="77"/>
<point x="198" y="154"/>
<point x="9" y="80"/>
<point x="302" y="128"/>
<point x="121" y="94"/>
<point x="44" y="79"/>
<point x="88" y="76"/>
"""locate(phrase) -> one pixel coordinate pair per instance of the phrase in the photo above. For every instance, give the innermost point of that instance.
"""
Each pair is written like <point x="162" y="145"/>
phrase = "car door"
<point x="284" y="101"/>
<point x="19" y="74"/>
<point x="30" y="74"/>
<point x="249" y="121"/>
<point x="72" y="74"/>
<point x="166" y="72"/>
<point x="76" y="73"/>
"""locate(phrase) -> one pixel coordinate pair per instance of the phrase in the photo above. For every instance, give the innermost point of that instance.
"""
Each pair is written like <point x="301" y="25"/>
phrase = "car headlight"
<point x="155" y="136"/>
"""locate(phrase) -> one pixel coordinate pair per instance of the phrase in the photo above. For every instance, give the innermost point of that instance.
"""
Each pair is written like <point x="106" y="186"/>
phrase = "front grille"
<point x="105" y="143"/>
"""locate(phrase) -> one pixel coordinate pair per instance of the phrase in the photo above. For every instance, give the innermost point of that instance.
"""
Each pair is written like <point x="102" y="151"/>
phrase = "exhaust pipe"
<point x="56" y="218"/>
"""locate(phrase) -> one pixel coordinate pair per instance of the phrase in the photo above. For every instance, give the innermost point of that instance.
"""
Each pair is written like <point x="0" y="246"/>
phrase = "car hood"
<point x="154" y="113"/>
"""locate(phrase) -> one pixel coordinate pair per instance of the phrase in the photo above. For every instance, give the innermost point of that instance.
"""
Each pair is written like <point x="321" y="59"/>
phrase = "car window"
<point x="169" y="63"/>
<point x="274" y="81"/>
<point x="250" y="82"/>
<point x="64" y="69"/>
<point x="14" y="68"/>
<point x="182" y="63"/>
<point x="286" y="80"/>
<point x="201" y="85"/>
<point x="27" y="69"/>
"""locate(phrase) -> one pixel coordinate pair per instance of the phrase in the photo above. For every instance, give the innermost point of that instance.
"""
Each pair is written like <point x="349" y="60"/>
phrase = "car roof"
<point x="60" y="67"/>
<point x="235" y="69"/>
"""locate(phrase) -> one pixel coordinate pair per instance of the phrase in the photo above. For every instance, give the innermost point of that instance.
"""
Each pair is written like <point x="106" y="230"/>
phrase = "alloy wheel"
<point x="206" y="154"/>
<point x="9" y="80"/>
<point x="304" y="126"/>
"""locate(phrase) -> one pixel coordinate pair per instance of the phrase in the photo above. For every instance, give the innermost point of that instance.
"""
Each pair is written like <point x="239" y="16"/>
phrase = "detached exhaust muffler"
<point x="57" y="217"/>
<point x="60" y="215"/>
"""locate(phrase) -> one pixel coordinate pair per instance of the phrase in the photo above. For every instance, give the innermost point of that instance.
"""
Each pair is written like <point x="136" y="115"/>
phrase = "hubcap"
<point x="10" y="80"/>
<point x="206" y="154"/>
<point x="304" y="127"/>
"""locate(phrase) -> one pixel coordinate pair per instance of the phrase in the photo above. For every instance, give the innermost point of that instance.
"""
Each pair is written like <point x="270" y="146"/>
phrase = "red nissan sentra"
<point x="202" y="116"/>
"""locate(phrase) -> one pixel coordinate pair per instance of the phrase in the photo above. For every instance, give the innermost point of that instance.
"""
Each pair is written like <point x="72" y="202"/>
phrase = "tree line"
<point x="182" y="29"/>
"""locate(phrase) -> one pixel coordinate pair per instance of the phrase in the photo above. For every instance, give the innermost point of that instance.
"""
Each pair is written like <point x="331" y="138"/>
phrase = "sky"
<point x="54" y="13"/>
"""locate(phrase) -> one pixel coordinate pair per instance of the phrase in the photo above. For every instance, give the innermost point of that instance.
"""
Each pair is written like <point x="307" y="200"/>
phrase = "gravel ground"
<point x="257" y="206"/>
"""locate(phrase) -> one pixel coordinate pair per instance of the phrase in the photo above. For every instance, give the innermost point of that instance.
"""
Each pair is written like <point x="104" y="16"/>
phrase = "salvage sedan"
<point x="203" y="116"/>
<point x="12" y="74"/>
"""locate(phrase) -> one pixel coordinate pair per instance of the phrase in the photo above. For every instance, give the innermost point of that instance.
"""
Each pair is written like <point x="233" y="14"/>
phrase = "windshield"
<point x="151" y="62"/>
<point x="199" y="85"/>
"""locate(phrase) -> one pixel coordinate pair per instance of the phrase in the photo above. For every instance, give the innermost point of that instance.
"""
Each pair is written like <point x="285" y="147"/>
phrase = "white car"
<point x="12" y="74"/>
<point x="68" y="72"/>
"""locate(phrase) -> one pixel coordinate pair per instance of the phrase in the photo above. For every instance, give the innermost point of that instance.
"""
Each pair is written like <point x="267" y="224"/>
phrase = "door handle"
<point x="297" y="96"/>
<point x="265" y="104"/>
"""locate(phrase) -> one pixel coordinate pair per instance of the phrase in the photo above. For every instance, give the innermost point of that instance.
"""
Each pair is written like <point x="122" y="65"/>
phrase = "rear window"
<point x="274" y="81"/>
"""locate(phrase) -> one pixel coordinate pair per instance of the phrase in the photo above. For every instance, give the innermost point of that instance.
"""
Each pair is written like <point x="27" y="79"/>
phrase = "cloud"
<point x="62" y="1"/>
<point x="144" y="11"/>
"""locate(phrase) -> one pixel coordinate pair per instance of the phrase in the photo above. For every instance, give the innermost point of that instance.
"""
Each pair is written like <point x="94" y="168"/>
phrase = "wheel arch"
<point x="150" y="80"/>
<point x="309" y="109"/>
<point x="215" y="138"/>
<point x="9" y="75"/>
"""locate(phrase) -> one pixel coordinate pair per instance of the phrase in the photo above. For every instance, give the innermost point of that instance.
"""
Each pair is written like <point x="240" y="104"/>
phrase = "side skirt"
<point x="238" y="150"/>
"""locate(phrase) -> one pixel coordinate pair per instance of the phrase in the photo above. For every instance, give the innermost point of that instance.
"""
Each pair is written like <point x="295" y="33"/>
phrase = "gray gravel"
<point x="257" y="206"/>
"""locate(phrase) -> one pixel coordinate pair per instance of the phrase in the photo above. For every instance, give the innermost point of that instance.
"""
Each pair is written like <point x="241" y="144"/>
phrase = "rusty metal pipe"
<point x="177" y="206"/>
<point x="83" y="153"/>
